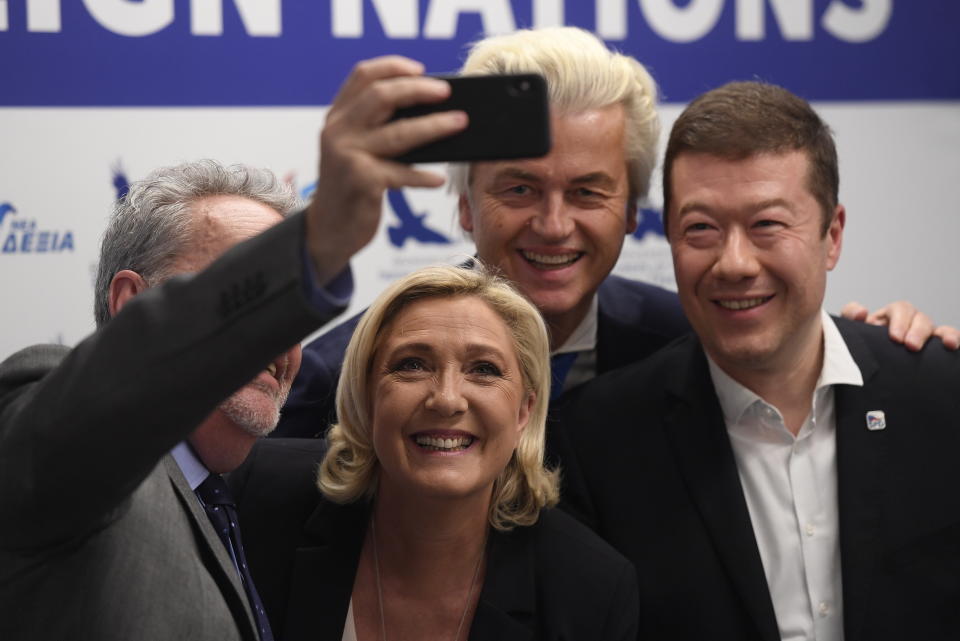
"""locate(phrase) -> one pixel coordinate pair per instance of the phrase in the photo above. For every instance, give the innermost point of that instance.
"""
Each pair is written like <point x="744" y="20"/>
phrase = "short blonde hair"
<point x="581" y="74"/>
<point x="350" y="470"/>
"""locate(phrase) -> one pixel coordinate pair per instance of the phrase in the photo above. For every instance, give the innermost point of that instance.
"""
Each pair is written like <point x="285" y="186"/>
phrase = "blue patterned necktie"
<point x="219" y="505"/>
<point x="560" y="365"/>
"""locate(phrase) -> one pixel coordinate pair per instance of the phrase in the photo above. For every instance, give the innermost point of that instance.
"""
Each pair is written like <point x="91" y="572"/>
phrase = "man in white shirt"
<point x="782" y="475"/>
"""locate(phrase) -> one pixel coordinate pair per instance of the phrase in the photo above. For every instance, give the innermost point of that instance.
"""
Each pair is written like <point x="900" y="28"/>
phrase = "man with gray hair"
<point x="114" y="522"/>
<point x="555" y="225"/>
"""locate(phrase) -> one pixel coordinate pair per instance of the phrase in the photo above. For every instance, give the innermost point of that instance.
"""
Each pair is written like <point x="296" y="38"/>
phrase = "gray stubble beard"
<point x="254" y="418"/>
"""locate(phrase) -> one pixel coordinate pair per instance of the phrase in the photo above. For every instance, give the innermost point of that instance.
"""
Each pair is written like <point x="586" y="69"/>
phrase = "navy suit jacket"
<point x="552" y="581"/>
<point x="634" y="320"/>
<point x="661" y="485"/>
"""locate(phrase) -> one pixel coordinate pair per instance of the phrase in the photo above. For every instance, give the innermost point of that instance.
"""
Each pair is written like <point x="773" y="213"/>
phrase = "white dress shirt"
<point x="790" y="486"/>
<point x="584" y="341"/>
<point x="192" y="467"/>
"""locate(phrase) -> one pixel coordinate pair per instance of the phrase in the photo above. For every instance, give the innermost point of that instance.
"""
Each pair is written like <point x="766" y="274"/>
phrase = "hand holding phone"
<point x="356" y="149"/>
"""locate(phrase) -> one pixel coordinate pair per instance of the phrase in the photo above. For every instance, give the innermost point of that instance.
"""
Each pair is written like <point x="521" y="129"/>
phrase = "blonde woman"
<point x="431" y="516"/>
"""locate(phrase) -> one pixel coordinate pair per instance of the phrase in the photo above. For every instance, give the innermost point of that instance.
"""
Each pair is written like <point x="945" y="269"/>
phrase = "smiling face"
<point x="555" y="225"/>
<point x="448" y="399"/>
<point x="750" y="258"/>
<point x="224" y="221"/>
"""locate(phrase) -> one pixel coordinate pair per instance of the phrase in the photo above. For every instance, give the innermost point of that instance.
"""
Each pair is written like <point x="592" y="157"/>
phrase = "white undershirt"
<point x="349" y="627"/>
<point x="790" y="486"/>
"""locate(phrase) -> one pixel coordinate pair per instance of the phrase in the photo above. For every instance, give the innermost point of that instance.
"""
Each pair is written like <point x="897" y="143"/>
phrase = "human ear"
<point x="125" y="284"/>
<point x="632" y="219"/>
<point x="526" y="407"/>
<point x="834" y="237"/>
<point x="466" y="214"/>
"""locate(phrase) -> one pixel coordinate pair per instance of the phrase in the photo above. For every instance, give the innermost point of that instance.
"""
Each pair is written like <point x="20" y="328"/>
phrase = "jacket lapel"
<point x="506" y="610"/>
<point x="213" y="552"/>
<point x="695" y="429"/>
<point x="633" y="321"/>
<point x="860" y="473"/>
<point x="324" y="572"/>
<point x="621" y="336"/>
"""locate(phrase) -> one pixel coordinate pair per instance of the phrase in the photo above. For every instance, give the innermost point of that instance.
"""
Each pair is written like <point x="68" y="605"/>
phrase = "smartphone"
<point x="509" y="118"/>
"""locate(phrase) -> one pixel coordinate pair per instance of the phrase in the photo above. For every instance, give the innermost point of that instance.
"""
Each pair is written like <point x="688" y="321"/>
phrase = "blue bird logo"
<point x="6" y="208"/>
<point x="307" y="191"/>
<point x="649" y="223"/>
<point x="120" y="182"/>
<point x="411" y="224"/>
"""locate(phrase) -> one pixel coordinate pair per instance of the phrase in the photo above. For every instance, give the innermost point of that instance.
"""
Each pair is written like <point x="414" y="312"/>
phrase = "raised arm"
<point x="356" y="145"/>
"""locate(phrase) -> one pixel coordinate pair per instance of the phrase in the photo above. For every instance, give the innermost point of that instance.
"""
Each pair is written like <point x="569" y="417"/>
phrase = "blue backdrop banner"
<point x="296" y="52"/>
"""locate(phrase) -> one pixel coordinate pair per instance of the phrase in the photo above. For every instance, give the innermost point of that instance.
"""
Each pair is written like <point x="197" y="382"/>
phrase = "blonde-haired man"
<point x="555" y="225"/>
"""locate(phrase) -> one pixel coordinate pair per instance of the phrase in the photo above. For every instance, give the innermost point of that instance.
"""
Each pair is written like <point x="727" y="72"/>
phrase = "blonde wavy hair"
<point x="350" y="470"/>
<point x="582" y="74"/>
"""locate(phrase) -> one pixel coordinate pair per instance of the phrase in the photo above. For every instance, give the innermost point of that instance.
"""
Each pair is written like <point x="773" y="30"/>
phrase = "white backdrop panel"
<point x="900" y="164"/>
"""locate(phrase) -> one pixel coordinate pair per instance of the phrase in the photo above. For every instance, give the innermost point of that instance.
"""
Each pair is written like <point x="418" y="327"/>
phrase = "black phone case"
<point x="509" y="118"/>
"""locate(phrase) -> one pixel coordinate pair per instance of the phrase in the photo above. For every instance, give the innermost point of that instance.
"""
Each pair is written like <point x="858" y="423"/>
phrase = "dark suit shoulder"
<point x="276" y="494"/>
<point x="647" y="307"/>
<point x="276" y="489"/>
<point x="636" y="382"/>
<point x="283" y="449"/>
<point x="899" y="511"/>
<point x="23" y="368"/>
<point x="331" y="345"/>
<point x="588" y="589"/>
<point x="576" y="552"/>
<point x="614" y="422"/>
<point x="878" y="339"/>
<point x="325" y="353"/>
<point x="311" y="407"/>
<point x="30" y="364"/>
<point x="622" y="403"/>
<point x="930" y="375"/>
<point x="284" y="467"/>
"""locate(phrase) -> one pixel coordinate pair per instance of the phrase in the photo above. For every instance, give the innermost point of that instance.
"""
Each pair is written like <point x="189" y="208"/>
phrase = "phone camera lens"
<point x="519" y="87"/>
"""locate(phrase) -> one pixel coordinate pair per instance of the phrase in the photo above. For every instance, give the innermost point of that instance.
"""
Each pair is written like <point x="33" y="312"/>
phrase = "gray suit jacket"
<point x="100" y="535"/>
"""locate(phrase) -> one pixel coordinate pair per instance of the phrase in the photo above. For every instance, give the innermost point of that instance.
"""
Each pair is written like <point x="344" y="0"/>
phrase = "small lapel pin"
<point x="876" y="420"/>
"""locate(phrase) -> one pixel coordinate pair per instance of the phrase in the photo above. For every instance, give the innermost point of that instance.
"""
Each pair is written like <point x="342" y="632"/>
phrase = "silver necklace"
<point x="376" y="565"/>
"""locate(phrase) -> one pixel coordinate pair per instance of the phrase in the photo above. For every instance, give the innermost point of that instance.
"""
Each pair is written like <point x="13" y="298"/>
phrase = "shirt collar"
<point x="193" y="469"/>
<point x="584" y="337"/>
<point x="838" y="368"/>
<point x="734" y="398"/>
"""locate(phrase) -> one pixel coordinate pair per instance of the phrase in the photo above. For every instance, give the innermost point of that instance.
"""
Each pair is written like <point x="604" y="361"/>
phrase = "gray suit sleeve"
<point x="80" y="430"/>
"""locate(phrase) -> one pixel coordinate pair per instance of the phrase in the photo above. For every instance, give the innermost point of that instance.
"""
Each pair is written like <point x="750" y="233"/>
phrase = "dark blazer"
<point x="554" y="580"/>
<point x="100" y="535"/>
<point x="634" y="320"/>
<point x="649" y="465"/>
